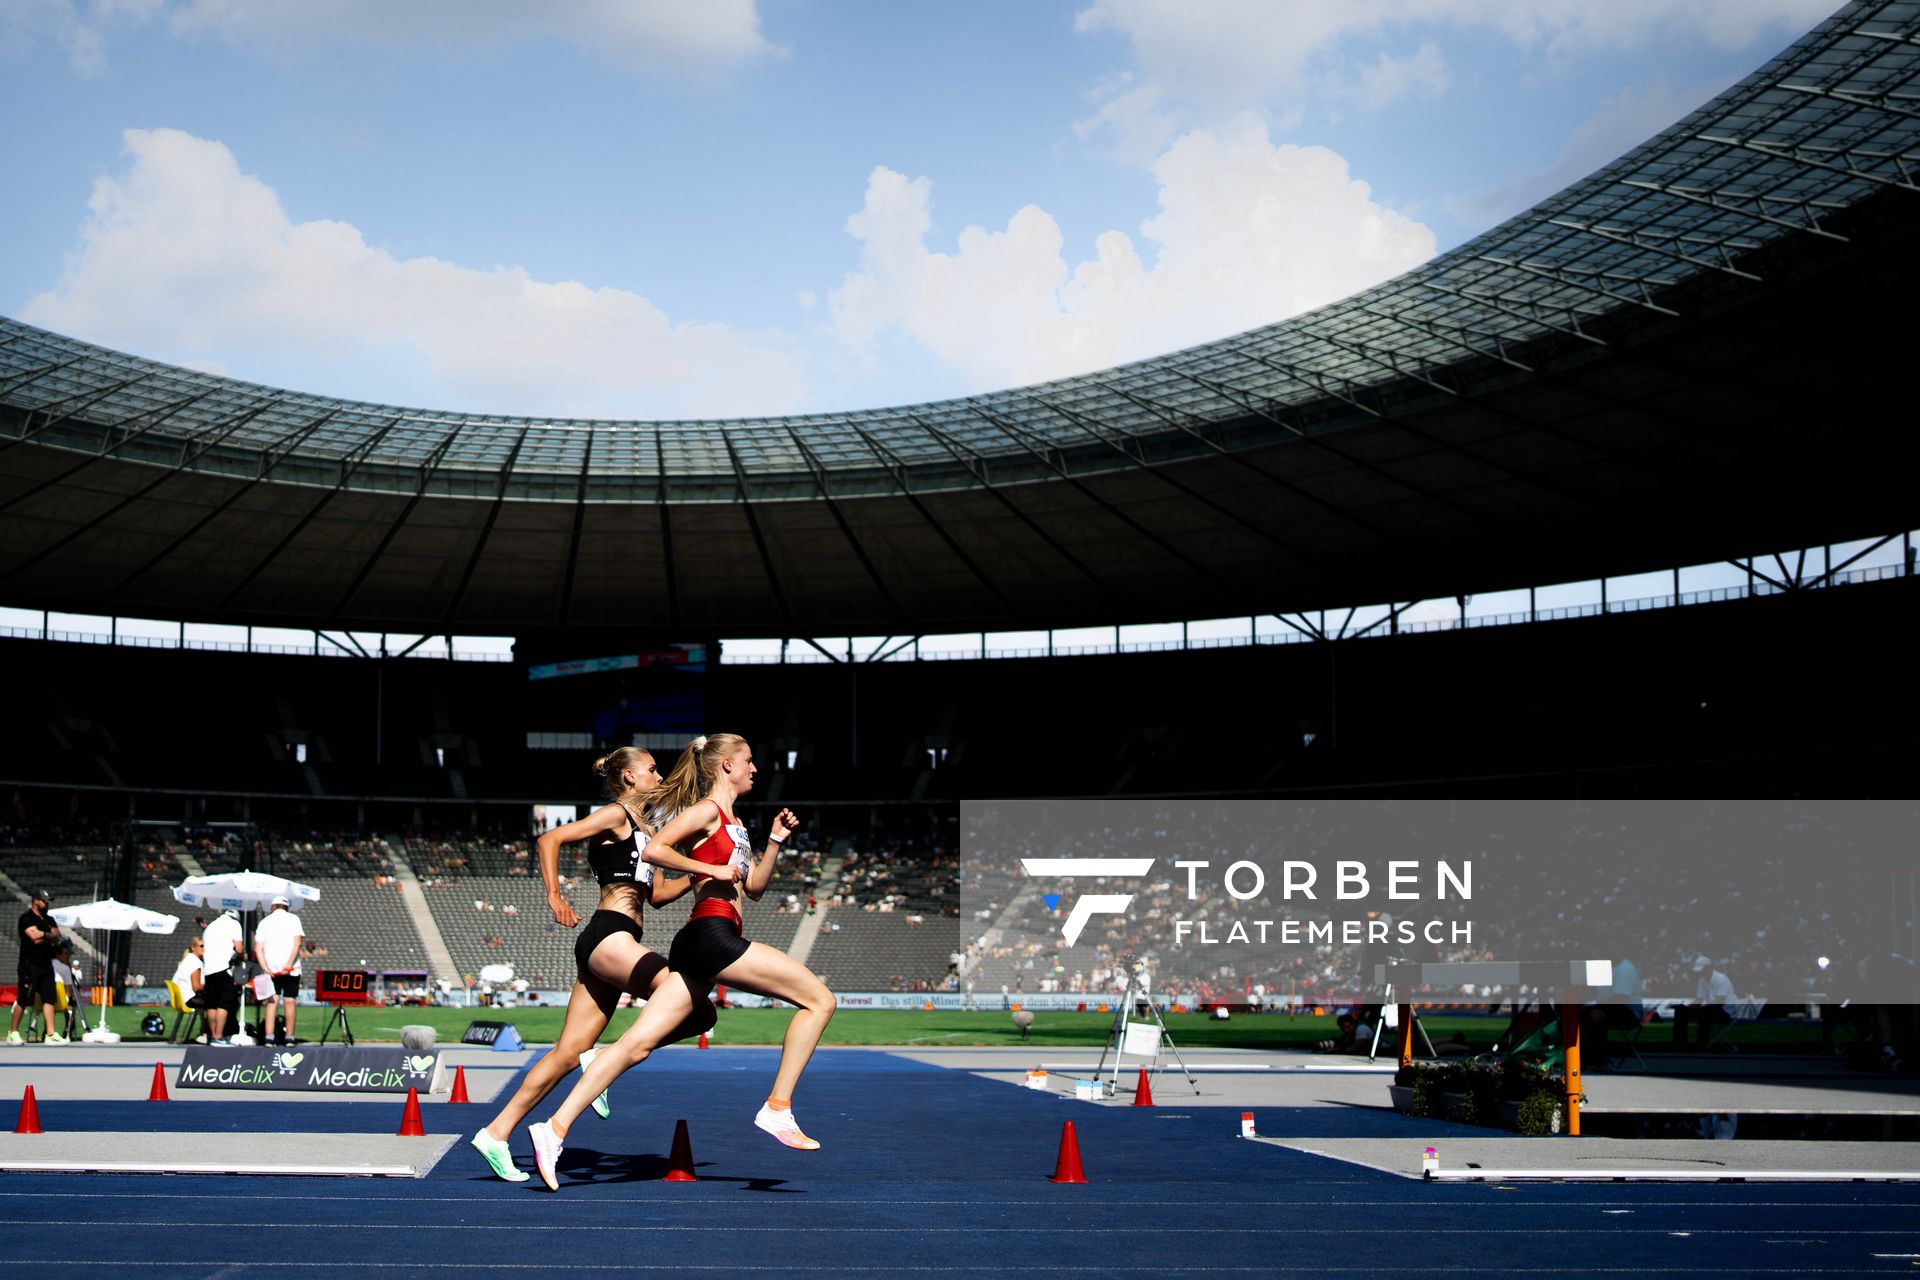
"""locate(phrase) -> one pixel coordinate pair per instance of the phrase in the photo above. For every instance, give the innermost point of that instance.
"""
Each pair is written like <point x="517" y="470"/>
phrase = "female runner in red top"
<point x="609" y="954"/>
<point x="711" y="947"/>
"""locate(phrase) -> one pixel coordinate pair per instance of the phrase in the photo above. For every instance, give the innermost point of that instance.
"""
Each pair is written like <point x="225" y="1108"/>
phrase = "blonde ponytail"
<point x="692" y="776"/>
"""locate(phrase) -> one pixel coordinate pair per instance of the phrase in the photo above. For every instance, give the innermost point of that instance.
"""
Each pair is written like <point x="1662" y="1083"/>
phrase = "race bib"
<point x="642" y="869"/>
<point x="742" y="847"/>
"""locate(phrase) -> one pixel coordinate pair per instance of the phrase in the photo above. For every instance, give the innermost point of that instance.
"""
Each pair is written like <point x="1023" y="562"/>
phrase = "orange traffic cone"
<point x="1067" y="1167"/>
<point x="29" y="1114"/>
<point x="410" y="1126"/>
<point x="459" y="1086"/>
<point x="680" y="1161"/>
<point x="158" y="1093"/>
<point x="1143" y="1092"/>
<point x="703" y="1039"/>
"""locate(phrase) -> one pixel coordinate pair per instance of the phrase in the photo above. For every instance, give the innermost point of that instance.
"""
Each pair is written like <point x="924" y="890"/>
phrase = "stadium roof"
<point x="1676" y="359"/>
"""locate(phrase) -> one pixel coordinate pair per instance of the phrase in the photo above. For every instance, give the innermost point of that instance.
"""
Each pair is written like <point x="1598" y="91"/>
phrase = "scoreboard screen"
<point x="343" y="986"/>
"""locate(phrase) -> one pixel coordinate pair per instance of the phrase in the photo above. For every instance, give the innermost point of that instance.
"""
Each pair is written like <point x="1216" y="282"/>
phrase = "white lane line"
<point x="1671" y="1175"/>
<point x="1051" y="1207"/>
<point x="262" y="1170"/>
<point x="840" y="1268"/>
<point x="1114" y="1230"/>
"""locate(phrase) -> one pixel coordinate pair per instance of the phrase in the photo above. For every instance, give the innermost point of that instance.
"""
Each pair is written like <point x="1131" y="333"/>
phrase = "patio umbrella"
<point x="109" y="913"/>
<point x="244" y="891"/>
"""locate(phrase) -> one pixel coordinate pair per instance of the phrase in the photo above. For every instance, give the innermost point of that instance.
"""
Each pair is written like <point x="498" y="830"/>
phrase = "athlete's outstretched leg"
<point x="767" y="971"/>
<point x="588" y="1010"/>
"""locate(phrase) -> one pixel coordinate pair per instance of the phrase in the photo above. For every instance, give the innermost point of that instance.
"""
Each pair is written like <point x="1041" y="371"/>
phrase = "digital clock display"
<point x="343" y="986"/>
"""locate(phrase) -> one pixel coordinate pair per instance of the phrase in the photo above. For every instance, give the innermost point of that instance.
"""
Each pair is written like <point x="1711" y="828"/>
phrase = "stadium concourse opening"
<point x="378" y="641"/>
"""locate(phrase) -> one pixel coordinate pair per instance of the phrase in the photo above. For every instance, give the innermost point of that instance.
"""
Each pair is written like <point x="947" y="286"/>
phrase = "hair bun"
<point x="699" y="743"/>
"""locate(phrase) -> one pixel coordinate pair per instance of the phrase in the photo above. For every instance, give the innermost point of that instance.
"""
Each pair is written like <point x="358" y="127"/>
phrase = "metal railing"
<point x="801" y="653"/>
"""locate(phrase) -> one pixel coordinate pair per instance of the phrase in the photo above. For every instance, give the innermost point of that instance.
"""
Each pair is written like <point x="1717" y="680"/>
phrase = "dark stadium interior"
<point x="1806" y="693"/>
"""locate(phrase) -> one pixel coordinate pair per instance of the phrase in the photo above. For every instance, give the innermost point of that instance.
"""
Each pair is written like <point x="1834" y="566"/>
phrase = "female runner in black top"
<point x="707" y="781"/>
<point x="609" y="952"/>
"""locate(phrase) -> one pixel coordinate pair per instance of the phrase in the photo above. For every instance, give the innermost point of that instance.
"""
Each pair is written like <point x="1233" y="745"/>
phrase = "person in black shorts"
<point x="609" y="954"/>
<point x="712" y="774"/>
<point x="38" y="936"/>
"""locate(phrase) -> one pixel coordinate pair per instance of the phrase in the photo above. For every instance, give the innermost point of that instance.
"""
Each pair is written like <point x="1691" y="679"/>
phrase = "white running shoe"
<point x="547" y="1146"/>
<point x="13" y="1037"/>
<point x="57" y="1039"/>
<point x="499" y="1156"/>
<point x="783" y="1126"/>
<point x="602" y="1106"/>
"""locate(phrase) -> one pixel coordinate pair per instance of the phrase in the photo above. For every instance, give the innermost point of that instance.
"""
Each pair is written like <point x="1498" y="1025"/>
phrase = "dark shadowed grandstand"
<point x="1692" y="358"/>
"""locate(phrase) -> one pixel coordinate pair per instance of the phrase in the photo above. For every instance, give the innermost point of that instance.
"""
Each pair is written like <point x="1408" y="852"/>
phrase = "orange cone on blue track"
<point x="1067" y="1167"/>
<point x="410" y="1126"/>
<point x="29" y="1121"/>
<point x="1143" y="1092"/>
<point x="459" y="1086"/>
<point x="680" y="1161"/>
<point x="158" y="1093"/>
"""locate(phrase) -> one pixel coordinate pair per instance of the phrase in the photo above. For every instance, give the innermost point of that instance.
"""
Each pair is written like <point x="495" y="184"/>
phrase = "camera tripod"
<point x="1116" y="1035"/>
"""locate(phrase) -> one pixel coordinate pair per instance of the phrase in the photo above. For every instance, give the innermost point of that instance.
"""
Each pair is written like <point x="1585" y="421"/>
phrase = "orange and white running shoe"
<point x="783" y="1126"/>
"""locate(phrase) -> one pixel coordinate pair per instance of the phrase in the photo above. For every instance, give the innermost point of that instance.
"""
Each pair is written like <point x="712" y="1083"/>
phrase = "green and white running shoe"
<point x="602" y="1107"/>
<point x="499" y="1155"/>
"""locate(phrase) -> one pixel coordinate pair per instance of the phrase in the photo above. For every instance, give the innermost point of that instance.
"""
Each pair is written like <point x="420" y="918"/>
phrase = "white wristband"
<point x="773" y="839"/>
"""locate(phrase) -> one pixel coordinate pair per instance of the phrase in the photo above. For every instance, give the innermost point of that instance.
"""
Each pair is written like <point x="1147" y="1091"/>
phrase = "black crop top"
<point x="619" y="861"/>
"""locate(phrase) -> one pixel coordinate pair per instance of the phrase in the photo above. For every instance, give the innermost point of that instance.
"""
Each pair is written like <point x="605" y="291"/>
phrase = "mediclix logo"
<point x="1094" y="903"/>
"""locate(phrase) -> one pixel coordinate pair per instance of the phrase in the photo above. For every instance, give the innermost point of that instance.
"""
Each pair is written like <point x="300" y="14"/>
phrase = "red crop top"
<point x="727" y="844"/>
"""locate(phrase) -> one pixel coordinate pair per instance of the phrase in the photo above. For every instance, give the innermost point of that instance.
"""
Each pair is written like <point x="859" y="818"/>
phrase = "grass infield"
<point x="1064" y="1030"/>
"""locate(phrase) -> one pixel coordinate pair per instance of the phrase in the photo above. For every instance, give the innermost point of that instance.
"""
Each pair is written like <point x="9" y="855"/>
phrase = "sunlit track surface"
<point x="937" y="1172"/>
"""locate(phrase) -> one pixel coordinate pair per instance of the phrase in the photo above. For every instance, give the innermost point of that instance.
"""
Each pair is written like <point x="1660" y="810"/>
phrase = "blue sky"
<point x="716" y="208"/>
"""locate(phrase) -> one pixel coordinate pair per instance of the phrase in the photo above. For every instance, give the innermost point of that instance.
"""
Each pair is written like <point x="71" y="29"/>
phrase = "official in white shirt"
<point x="217" y="991"/>
<point x="276" y="949"/>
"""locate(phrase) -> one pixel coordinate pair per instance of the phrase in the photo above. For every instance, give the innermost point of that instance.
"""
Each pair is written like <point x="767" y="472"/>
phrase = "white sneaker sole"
<point x="546" y="1154"/>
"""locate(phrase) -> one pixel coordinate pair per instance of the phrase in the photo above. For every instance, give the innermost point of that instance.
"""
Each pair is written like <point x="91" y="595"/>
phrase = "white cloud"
<point x="1422" y="73"/>
<point x="670" y="36"/>
<point x="1247" y="233"/>
<point x="186" y="258"/>
<point x="1197" y="61"/>
<point x="1626" y="121"/>
<point x="80" y="29"/>
<point x="654" y="35"/>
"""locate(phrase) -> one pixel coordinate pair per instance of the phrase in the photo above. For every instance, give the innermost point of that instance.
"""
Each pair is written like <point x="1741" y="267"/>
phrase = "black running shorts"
<point x="703" y="949"/>
<point x="601" y="926"/>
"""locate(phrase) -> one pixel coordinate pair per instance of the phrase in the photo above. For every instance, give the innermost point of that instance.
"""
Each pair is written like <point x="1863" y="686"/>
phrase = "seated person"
<point x="1348" y="1040"/>
<point x="190" y="974"/>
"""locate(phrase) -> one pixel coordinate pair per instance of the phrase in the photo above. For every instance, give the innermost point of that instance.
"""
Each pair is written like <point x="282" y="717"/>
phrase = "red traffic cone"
<point x="410" y="1126"/>
<point x="459" y="1086"/>
<point x="158" y="1093"/>
<point x="29" y="1121"/>
<point x="703" y="1040"/>
<point x="680" y="1161"/>
<point x="1067" y="1167"/>
<point x="1143" y="1092"/>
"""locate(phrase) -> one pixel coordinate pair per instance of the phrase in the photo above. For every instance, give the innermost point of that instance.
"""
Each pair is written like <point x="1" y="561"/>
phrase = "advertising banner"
<point x="310" y="1069"/>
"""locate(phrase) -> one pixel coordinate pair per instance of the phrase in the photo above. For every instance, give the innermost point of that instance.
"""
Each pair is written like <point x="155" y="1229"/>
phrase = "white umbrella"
<point x="109" y="913"/>
<point x="243" y="891"/>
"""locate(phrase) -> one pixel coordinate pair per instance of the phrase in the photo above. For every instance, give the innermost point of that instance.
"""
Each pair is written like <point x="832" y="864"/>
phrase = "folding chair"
<point x="185" y="1015"/>
<point x="1624" y="1053"/>
<point x="1747" y="1010"/>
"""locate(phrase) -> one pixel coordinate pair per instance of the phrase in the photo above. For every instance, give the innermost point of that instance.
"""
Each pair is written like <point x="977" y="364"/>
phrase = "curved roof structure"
<point x="1653" y="367"/>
